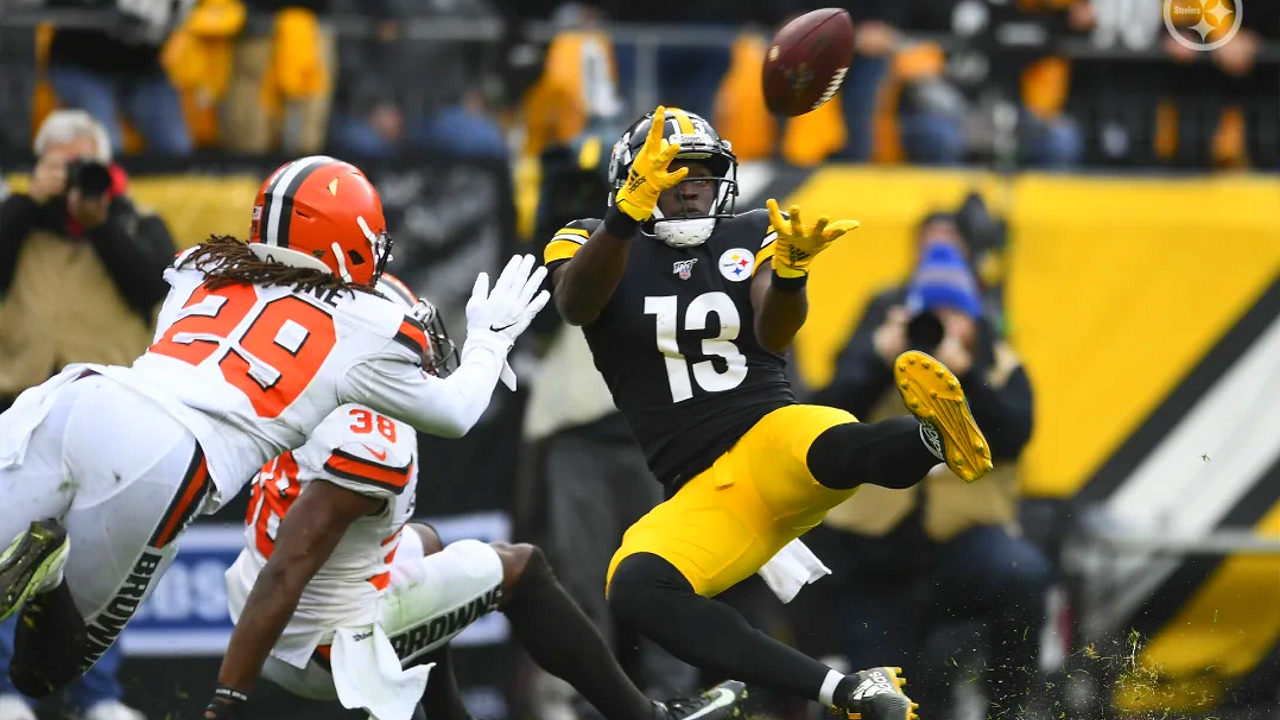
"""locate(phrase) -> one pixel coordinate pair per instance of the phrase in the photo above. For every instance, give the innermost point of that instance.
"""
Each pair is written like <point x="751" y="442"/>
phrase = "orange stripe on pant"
<point x="185" y="502"/>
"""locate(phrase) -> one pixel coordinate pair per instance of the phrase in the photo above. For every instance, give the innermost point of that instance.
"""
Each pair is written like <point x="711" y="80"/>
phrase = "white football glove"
<point x="507" y="309"/>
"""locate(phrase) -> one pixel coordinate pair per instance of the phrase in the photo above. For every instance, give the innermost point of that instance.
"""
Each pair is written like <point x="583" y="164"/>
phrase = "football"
<point x="807" y="60"/>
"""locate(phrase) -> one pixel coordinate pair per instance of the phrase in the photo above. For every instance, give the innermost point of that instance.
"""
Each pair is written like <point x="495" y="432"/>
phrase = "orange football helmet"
<point x="321" y="213"/>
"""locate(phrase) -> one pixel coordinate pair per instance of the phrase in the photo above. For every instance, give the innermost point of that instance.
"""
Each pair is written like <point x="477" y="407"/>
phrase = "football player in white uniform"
<point x="329" y="550"/>
<point x="102" y="467"/>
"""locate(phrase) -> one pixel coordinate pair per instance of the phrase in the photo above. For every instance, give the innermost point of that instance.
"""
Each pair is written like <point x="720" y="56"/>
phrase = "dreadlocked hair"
<point x="225" y="260"/>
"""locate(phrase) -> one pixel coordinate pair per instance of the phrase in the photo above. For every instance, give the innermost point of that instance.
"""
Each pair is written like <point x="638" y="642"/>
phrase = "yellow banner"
<point x="1116" y="287"/>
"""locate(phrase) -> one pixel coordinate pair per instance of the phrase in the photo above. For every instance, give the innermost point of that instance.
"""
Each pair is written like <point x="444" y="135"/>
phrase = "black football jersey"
<point x="676" y="342"/>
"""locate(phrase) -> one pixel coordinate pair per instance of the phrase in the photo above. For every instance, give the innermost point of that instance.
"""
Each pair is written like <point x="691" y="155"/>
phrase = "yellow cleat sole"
<point x="932" y="393"/>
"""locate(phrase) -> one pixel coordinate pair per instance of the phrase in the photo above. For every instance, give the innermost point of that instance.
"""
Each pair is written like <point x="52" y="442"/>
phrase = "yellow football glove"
<point x="797" y="245"/>
<point x="648" y="176"/>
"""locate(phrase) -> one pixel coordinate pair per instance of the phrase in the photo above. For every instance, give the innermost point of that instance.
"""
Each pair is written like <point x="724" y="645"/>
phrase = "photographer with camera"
<point x="80" y="266"/>
<point x="909" y="563"/>
<point x="80" y="276"/>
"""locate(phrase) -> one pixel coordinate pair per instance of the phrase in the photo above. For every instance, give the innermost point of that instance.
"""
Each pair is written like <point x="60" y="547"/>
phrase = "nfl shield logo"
<point x="683" y="268"/>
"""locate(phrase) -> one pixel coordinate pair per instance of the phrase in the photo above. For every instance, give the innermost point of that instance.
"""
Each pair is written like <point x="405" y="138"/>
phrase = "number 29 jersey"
<point x="251" y="370"/>
<point x="676" y="342"/>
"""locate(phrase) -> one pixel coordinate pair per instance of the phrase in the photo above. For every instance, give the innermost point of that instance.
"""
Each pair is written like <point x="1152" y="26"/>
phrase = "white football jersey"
<point x="252" y="370"/>
<point x="360" y="450"/>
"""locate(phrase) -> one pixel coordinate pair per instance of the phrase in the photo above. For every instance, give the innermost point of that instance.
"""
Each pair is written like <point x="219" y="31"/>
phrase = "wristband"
<point x="227" y="704"/>
<point x="231" y="695"/>
<point x="620" y="224"/>
<point x="789" y="284"/>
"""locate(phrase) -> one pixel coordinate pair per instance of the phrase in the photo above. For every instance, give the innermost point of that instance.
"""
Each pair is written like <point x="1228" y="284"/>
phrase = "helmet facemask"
<point x="691" y="227"/>
<point x="379" y="244"/>
<point x="442" y="357"/>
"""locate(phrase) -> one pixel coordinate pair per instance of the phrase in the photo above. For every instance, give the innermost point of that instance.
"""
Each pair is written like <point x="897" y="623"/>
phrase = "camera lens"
<point x="90" y="177"/>
<point x="924" y="332"/>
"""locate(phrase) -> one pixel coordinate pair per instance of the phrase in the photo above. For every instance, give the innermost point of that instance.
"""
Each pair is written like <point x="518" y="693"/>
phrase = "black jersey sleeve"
<point x="565" y="243"/>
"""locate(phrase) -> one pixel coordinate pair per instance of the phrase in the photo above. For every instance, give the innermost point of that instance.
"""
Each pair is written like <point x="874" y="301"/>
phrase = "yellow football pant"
<point x="730" y="519"/>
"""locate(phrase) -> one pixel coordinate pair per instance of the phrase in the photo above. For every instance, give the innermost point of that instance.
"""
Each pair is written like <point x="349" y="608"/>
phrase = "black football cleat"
<point x="721" y="702"/>
<point x="878" y="695"/>
<point x="32" y="564"/>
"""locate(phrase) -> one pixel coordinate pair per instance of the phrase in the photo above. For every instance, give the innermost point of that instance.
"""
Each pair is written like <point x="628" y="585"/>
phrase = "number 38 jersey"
<point x="364" y="452"/>
<point x="676" y="342"/>
<point x="251" y="370"/>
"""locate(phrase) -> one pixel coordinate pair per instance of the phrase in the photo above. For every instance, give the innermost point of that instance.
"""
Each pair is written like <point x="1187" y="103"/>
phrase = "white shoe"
<point x="112" y="710"/>
<point x="13" y="707"/>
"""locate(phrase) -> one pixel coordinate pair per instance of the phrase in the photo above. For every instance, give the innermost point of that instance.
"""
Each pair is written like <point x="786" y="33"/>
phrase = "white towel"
<point x="368" y="676"/>
<point x="793" y="567"/>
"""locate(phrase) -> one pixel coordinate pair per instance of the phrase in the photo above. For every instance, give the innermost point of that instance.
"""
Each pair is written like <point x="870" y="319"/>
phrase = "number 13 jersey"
<point x="676" y="342"/>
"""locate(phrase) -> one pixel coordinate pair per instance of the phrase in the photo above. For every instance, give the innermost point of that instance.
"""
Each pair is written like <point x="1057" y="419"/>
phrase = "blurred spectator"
<point x="283" y="67"/>
<point x="1048" y="136"/>
<point x="94" y="696"/>
<point x="114" y="71"/>
<point x="578" y="88"/>
<point x="80" y="266"/>
<point x="76" y="221"/>
<point x="994" y="92"/>
<point x="198" y="61"/>
<point x="1225" y="109"/>
<point x="910" y="563"/>
<point x="876" y="24"/>
<point x="689" y="71"/>
<point x="386" y="108"/>
<point x="568" y="117"/>
<point x="1179" y="105"/>
<point x="740" y="112"/>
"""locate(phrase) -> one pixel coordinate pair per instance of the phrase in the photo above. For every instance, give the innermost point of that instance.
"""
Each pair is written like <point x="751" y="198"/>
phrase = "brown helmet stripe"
<point x="278" y="209"/>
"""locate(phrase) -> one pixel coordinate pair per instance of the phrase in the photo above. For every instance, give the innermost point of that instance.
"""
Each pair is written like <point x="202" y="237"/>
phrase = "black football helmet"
<point x="698" y="142"/>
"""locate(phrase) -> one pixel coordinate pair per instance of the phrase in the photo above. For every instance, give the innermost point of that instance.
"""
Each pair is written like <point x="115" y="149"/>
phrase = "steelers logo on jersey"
<point x="736" y="264"/>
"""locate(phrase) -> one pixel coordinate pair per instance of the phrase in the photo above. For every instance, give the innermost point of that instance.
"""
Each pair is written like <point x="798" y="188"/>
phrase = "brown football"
<point x="807" y="60"/>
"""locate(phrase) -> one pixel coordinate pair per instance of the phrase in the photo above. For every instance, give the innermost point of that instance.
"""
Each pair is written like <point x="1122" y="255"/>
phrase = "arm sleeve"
<point x="17" y="217"/>
<point x="135" y="248"/>
<point x="448" y="407"/>
<point x="861" y="376"/>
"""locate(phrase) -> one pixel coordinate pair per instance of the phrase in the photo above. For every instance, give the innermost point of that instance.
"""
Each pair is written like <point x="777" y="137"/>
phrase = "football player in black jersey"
<point x="688" y="308"/>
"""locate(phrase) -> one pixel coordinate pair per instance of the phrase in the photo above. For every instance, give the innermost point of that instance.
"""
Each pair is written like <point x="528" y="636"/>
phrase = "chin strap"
<point x="682" y="233"/>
